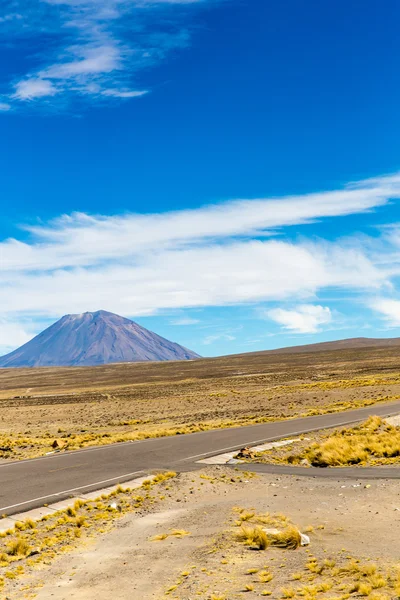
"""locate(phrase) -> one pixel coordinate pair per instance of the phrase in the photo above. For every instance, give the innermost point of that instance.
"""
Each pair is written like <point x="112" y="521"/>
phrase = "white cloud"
<point x="4" y="106"/>
<point x="30" y="89"/>
<point x="140" y="264"/>
<point x="185" y="321"/>
<point x="124" y="93"/>
<point x="12" y="335"/>
<point x="98" y="49"/>
<point x="306" y="318"/>
<point x="390" y="309"/>
<point x="10" y="17"/>
<point x="210" y="339"/>
<point x="83" y="240"/>
<point x="209" y="276"/>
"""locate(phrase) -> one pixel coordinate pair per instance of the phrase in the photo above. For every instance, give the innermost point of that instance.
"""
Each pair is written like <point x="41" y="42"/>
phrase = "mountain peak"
<point x="94" y="338"/>
<point x="96" y="313"/>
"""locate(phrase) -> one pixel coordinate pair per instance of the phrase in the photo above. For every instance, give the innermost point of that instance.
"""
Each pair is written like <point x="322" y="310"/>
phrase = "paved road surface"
<point x="31" y="483"/>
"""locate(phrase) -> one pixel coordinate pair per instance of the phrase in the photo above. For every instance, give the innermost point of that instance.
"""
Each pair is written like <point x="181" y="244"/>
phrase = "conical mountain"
<point x="94" y="338"/>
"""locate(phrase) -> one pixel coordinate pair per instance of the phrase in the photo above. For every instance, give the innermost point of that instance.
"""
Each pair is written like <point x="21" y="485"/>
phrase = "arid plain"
<point x="202" y="534"/>
<point x="86" y="406"/>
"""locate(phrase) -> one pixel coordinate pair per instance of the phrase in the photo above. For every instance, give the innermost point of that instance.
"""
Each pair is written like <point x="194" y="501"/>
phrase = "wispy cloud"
<point x="213" y="256"/>
<point x="306" y="318"/>
<point x="83" y="240"/>
<point x="98" y="47"/>
<point x="12" y="334"/>
<point x="185" y="321"/>
<point x="389" y="309"/>
<point x="210" y="339"/>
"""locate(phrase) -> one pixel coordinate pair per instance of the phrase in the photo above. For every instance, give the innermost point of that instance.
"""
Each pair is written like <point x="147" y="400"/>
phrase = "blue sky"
<point x="225" y="172"/>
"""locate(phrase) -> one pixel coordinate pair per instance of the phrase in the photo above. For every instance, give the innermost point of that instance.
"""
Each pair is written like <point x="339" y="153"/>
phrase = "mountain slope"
<point x="94" y="339"/>
<point x="346" y="344"/>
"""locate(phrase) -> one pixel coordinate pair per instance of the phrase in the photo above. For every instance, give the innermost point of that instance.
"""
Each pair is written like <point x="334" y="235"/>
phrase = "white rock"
<point x="305" y="540"/>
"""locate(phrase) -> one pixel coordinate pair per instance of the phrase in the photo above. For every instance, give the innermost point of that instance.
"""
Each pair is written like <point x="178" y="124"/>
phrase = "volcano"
<point x="94" y="338"/>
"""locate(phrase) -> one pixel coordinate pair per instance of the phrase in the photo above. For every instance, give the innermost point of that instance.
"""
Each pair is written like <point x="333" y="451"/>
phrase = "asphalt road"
<point x="31" y="483"/>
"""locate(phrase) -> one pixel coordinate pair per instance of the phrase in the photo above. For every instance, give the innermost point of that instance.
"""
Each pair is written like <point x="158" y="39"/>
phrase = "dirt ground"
<point x="97" y="405"/>
<point x="350" y="520"/>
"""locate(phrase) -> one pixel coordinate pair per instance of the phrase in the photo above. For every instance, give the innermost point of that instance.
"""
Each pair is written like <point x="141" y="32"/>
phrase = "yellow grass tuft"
<point x="179" y="533"/>
<point x="18" y="547"/>
<point x="372" y="440"/>
<point x="253" y="536"/>
<point x="246" y="516"/>
<point x="265" y="576"/>
<point x="160" y="537"/>
<point x="288" y="538"/>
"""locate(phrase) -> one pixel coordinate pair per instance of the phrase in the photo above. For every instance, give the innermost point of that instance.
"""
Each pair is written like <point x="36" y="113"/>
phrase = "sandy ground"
<point x="356" y="518"/>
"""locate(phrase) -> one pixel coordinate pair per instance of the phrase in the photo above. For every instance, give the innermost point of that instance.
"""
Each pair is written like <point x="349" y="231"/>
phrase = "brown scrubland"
<point x="220" y="533"/>
<point x="84" y="406"/>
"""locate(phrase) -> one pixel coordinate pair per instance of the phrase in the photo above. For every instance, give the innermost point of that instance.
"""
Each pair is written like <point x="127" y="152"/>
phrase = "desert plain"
<point x="208" y="533"/>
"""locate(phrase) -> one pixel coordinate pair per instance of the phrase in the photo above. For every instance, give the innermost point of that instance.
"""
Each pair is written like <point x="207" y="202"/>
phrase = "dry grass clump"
<point x="177" y="533"/>
<point x="160" y="537"/>
<point x="372" y="440"/>
<point x="18" y="547"/>
<point x="288" y="592"/>
<point x="265" y="576"/>
<point x="254" y="537"/>
<point x="289" y="538"/>
<point x="280" y="532"/>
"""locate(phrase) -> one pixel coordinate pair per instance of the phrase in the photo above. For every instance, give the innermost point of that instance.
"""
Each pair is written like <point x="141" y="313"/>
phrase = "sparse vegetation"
<point x="177" y="533"/>
<point x="260" y="537"/>
<point x="317" y="576"/>
<point x="33" y="543"/>
<point x="374" y="442"/>
<point x="227" y="567"/>
<point x="171" y="399"/>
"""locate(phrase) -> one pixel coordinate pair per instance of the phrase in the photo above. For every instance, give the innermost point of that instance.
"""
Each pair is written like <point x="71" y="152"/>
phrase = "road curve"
<point x="31" y="483"/>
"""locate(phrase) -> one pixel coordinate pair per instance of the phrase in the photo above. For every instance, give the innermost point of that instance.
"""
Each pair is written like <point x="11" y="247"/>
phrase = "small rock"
<point x="305" y="540"/>
<point x="245" y="453"/>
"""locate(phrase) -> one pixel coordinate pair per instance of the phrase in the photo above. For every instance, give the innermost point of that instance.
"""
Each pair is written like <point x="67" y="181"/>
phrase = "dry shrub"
<point x="253" y="536"/>
<point x="18" y="547"/>
<point x="372" y="440"/>
<point x="288" y="538"/>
